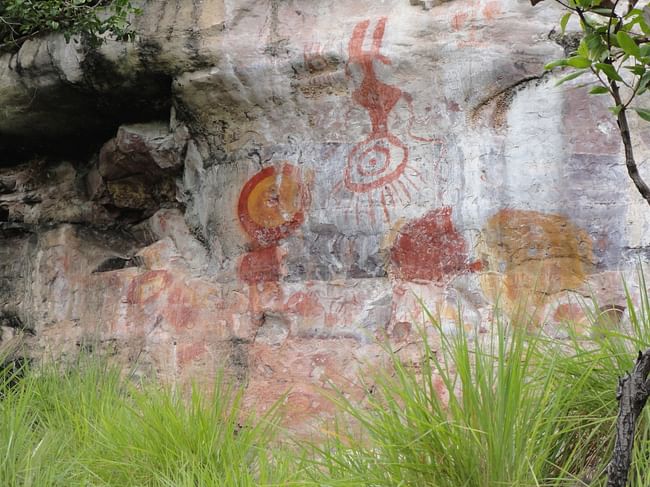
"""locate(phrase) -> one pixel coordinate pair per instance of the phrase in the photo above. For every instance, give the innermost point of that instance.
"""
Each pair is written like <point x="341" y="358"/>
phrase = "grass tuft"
<point x="87" y="425"/>
<point x="508" y="408"/>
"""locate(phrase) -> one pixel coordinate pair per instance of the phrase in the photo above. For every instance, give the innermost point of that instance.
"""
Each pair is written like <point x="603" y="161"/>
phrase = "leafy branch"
<point x="615" y="48"/>
<point x="92" y="19"/>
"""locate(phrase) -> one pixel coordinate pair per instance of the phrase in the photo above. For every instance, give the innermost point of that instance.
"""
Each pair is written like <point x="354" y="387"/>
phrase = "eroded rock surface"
<point x="276" y="187"/>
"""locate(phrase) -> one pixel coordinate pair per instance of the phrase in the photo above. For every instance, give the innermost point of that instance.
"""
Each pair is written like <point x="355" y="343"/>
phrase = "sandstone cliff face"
<point x="273" y="186"/>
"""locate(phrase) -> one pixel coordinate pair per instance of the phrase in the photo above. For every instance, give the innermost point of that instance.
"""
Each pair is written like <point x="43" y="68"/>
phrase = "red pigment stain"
<point x="430" y="248"/>
<point x="331" y="319"/>
<point x="314" y="59"/>
<point x="181" y="317"/>
<point x="260" y="266"/>
<point x="190" y="352"/>
<point x="146" y="287"/>
<point x="452" y="106"/>
<point x="568" y="312"/>
<point x="459" y="20"/>
<point x="181" y="309"/>
<point x="491" y="10"/>
<point x="305" y="304"/>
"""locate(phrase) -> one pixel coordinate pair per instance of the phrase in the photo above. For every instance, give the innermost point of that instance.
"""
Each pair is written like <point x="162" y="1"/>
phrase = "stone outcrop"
<point x="276" y="188"/>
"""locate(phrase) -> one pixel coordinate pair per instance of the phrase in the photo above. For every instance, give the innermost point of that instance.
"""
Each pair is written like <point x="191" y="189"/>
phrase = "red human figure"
<point x="376" y="97"/>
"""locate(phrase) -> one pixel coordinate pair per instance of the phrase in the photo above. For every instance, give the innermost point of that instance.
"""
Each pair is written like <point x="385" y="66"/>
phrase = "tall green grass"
<point x="501" y="420"/>
<point x="515" y="408"/>
<point x="87" y="425"/>
<point x="508" y="408"/>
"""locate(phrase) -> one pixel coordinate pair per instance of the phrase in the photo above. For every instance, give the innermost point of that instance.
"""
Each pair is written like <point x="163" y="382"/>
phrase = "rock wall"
<point x="276" y="186"/>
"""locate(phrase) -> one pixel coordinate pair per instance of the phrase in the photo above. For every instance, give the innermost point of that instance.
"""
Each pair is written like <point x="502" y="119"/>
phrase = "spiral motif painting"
<point x="376" y="165"/>
<point x="375" y="162"/>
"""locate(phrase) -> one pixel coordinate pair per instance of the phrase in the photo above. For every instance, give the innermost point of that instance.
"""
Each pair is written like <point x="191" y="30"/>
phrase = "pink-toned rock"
<point x="142" y="149"/>
<point x="318" y="178"/>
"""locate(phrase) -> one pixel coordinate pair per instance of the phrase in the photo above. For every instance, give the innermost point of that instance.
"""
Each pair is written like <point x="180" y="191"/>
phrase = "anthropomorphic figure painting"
<point x="376" y="166"/>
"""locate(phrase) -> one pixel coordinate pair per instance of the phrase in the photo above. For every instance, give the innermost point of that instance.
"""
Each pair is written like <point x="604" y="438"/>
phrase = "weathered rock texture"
<point x="273" y="186"/>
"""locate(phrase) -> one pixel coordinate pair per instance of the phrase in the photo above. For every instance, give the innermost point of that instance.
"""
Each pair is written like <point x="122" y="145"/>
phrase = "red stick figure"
<point x="376" y="97"/>
<point x="472" y="13"/>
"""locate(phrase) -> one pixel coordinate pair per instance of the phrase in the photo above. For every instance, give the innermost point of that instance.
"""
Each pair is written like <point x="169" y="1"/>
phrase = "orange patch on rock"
<point x="146" y="287"/>
<point x="532" y="255"/>
<point x="430" y="248"/>
<point x="271" y="204"/>
<point x="568" y="312"/>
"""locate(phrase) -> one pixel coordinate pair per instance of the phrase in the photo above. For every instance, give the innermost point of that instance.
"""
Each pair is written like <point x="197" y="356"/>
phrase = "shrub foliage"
<point x="93" y="20"/>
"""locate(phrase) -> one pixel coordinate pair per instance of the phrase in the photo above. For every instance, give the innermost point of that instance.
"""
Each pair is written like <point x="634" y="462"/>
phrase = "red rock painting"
<point x="430" y="249"/>
<point x="189" y="352"/>
<point x="146" y="287"/>
<point x="314" y="59"/>
<point x="260" y="266"/>
<point x="305" y="304"/>
<point x="471" y="12"/>
<point x="271" y="205"/>
<point x="182" y="308"/>
<point x="376" y="165"/>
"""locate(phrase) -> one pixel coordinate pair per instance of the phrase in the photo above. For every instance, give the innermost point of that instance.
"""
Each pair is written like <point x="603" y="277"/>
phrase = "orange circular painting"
<point x="271" y="204"/>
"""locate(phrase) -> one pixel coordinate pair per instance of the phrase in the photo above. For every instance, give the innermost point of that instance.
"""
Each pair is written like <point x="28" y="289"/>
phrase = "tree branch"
<point x="632" y="394"/>
<point x="626" y="137"/>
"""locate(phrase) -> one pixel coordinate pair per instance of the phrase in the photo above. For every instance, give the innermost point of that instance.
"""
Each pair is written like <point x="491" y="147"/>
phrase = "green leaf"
<point x="571" y="76"/>
<point x="555" y="64"/>
<point x="583" y="48"/>
<point x="564" y="21"/>
<point x="609" y="71"/>
<point x="627" y="44"/>
<point x="645" y="28"/>
<point x="602" y="11"/>
<point x="578" y="62"/>
<point x="638" y="70"/>
<point x="616" y="110"/>
<point x="643" y="113"/>
<point x="598" y="90"/>
<point x="643" y="82"/>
